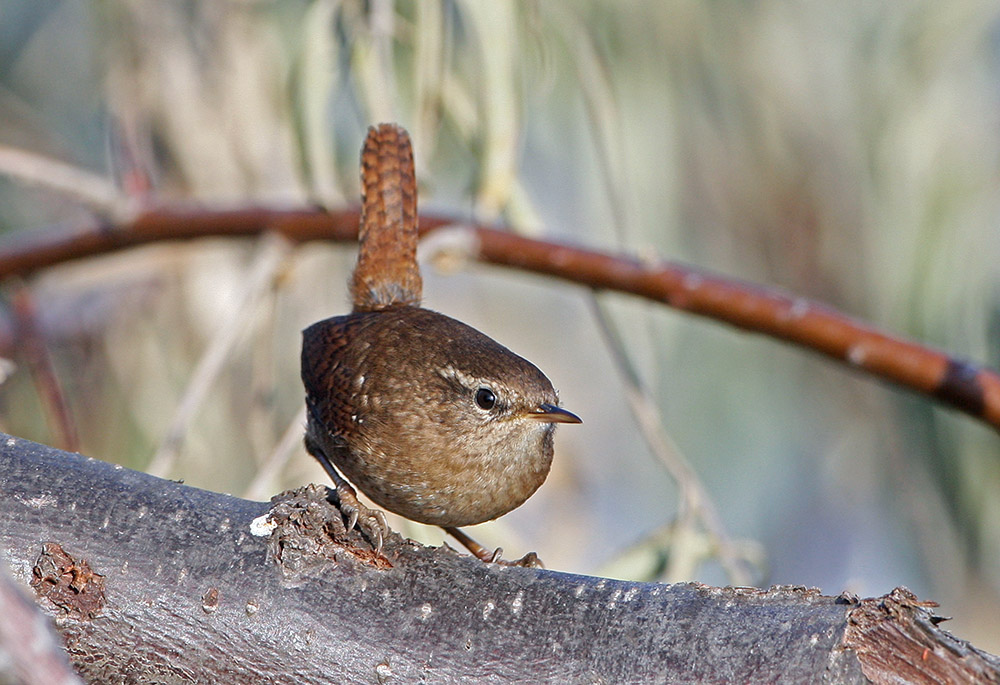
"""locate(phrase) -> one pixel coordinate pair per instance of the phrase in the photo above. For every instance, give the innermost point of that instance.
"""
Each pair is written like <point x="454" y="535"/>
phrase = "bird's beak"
<point x="550" y="413"/>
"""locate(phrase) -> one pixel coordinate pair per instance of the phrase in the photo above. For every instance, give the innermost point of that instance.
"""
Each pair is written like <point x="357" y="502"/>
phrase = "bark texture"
<point x="153" y="581"/>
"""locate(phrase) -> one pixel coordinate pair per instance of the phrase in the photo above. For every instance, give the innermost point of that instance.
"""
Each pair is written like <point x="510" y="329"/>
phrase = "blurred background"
<point x="846" y="152"/>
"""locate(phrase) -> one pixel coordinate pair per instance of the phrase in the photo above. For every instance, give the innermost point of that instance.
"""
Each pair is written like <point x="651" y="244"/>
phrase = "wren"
<point x="427" y="416"/>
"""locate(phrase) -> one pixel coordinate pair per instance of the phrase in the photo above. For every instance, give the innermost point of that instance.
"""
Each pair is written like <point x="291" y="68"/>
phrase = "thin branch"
<point x="130" y="163"/>
<point x="35" y="348"/>
<point x="263" y="482"/>
<point x="695" y="502"/>
<point x="966" y="386"/>
<point x="92" y="189"/>
<point x="268" y="260"/>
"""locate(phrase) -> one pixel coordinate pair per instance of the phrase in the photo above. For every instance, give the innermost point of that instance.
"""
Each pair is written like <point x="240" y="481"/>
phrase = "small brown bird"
<point x="430" y="418"/>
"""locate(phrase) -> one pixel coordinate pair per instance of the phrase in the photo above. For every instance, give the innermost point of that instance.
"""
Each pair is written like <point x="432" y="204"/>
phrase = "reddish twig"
<point x="968" y="387"/>
<point x="34" y="347"/>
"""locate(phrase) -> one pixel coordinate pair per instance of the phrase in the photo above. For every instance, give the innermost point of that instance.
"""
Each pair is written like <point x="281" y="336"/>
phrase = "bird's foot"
<point x="371" y="522"/>
<point x="529" y="560"/>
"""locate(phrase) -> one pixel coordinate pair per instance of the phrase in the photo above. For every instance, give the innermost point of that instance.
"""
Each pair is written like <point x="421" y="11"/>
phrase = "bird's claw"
<point x="371" y="522"/>
<point x="529" y="560"/>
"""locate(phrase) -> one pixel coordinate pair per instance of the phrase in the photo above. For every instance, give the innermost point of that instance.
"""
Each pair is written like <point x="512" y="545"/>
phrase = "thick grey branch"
<point x="154" y="581"/>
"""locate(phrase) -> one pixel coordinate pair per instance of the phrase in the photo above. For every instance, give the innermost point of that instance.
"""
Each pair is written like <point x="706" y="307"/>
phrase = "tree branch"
<point x="963" y="385"/>
<point x="30" y="651"/>
<point x="152" y="580"/>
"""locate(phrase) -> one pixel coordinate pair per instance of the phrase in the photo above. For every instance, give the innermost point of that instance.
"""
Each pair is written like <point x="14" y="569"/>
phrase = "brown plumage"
<point x="387" y="273"/>
<point x="430" y="418"/>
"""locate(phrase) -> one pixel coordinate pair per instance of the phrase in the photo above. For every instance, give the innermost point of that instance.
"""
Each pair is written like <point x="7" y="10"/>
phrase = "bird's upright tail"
<point x="387" y="273"/>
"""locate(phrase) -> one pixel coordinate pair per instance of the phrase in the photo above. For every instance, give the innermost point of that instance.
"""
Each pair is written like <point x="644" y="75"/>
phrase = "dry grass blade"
<point x="270" y="257"/>
<point x="498" y="43"/>
<point x="375" y="78"/>
<point x="317" y="73"/>
<point x="87" y="187"/>
<point x="263" y="483"/>
<point x="695" y="502"/>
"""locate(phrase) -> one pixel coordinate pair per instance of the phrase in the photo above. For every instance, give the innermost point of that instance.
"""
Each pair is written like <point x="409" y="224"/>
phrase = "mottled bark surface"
<point x="154" y="581"/>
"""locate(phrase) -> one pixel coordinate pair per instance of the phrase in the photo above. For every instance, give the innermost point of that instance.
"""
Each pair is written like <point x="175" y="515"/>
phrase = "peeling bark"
<point x="897" y="640"/>
<point x="203" y="587"/>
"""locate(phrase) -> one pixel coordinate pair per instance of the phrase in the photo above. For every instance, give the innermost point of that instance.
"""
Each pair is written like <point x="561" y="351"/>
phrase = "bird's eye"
<point x="485" y="398"/>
